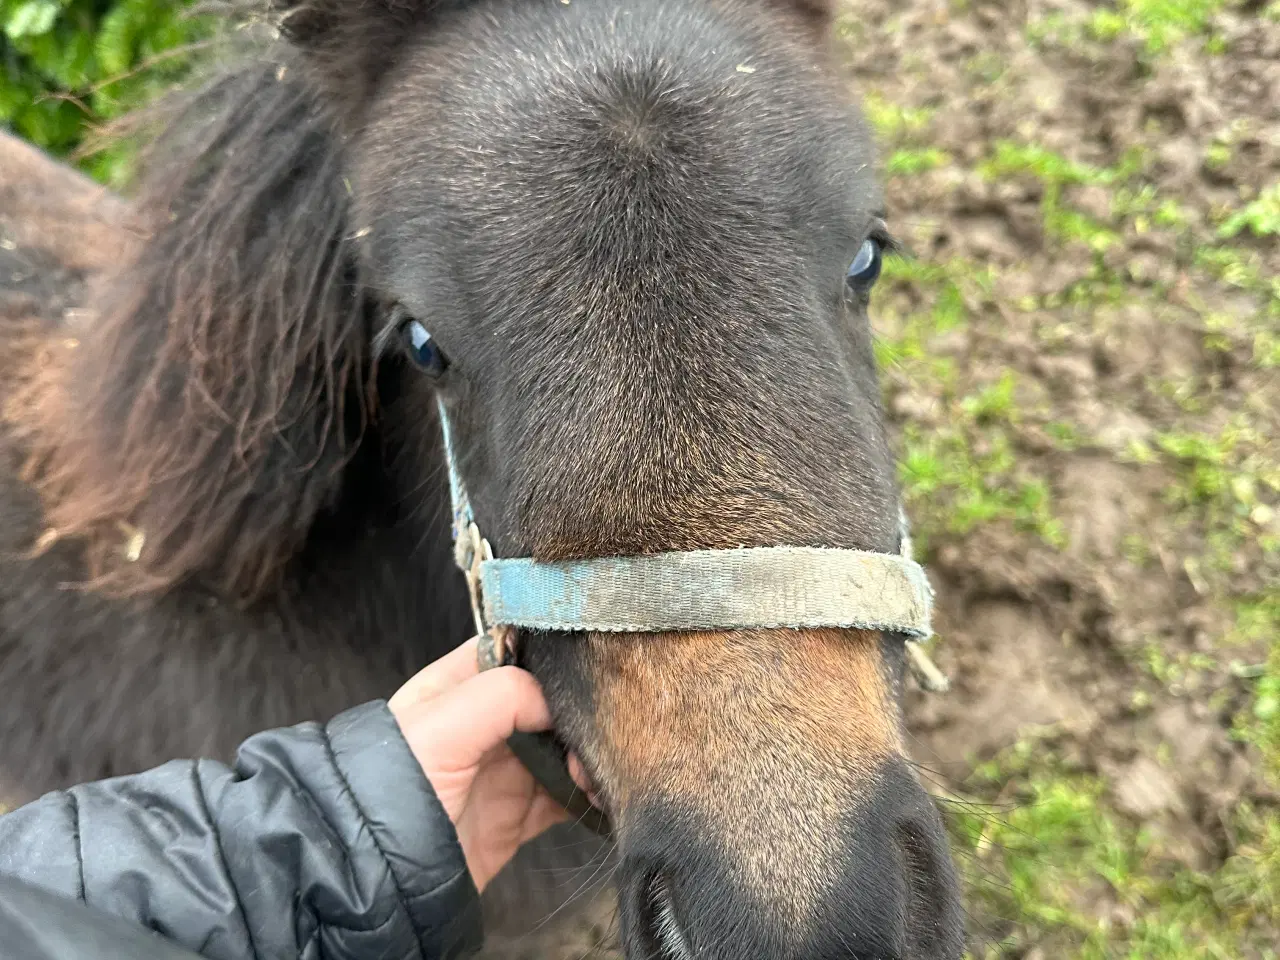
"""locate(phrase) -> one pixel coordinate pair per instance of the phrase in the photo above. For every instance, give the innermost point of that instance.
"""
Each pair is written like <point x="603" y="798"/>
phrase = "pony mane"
<point x="217" y="386"/>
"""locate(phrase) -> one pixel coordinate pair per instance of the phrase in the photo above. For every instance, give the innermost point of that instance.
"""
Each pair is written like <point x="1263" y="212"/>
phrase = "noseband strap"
<point x="745" y="589"/>
<point x="736" y="589"/>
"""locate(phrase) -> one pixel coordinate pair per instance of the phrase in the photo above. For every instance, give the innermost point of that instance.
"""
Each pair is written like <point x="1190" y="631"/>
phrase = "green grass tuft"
<point x="908" y="162"/>
<point x="1057" y="850"/>
<point x="960" y="481"/>
<point x="1162" y="23"/>
<point x="894" y="123"/>
<point x="1260" y="217"/>
<point x="1158" y="25"/>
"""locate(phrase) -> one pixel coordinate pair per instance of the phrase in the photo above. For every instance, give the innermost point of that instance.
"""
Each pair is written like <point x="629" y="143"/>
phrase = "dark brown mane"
<point x="215" y="391"/>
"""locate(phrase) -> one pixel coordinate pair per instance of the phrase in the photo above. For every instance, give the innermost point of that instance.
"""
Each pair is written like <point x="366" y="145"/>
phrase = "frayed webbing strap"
<point x="759" y="588"/>
<point x="734" y="589"/>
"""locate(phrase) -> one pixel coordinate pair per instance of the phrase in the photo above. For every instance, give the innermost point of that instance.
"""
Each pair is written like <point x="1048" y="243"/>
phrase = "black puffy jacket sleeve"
<point x="321" y="841"/>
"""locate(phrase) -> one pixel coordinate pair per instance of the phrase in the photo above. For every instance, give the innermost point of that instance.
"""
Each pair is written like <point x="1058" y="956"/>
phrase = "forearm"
<point x="319" y="841"/>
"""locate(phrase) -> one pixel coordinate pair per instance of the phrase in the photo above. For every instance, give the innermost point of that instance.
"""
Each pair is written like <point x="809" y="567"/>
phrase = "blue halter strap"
<point x="748" y="588"/>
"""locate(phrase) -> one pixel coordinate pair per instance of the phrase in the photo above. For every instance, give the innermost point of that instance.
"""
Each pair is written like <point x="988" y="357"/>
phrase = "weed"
<point x="1229" y="470"/>
<point x="1176" y="672"/>
<point x="1261" y="217"/>
<point x="1249" y="882"/>
<point x="1067" y="225"/>
<point x="1054" y="171"/>
<point x="1136" y="549"/>
<point x="1157" y="25"/>
<point x="910" y="162"/>
<point x="1163" y="23"/>
<point x="1065" y="435"/>
<point x="1266" y="349"/>
<point x="1234" y="267"/>
<point x="1217" y="155"/>
<point x="1106" y="25"/>
<point x="987" y="67"/>
<point x="994" y="403"/>
<point x="1010" y="159"/>
<point x="894" y="123"/>
<point x="1147" y="209"/>
<point x="962" y="483"/>
<point x="1062" y="846"/>
<point x="1258" y="621"/>
<point x="1215" y="45"/>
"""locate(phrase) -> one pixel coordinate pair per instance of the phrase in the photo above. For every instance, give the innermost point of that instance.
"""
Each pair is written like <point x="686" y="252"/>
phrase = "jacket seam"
<point x="431" y="789"/>
<point x="82" y="893"/>
<point x="222" y="856"/>
<point x="403" y="901"/>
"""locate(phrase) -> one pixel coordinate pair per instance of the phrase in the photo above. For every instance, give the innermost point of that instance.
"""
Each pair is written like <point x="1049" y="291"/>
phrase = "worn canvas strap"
<point x="760" y="587"/>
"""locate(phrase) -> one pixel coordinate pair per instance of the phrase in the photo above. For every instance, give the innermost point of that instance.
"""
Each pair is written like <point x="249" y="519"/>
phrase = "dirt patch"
<point x="1076" y="220"/>
<point x="1011" y="677"/>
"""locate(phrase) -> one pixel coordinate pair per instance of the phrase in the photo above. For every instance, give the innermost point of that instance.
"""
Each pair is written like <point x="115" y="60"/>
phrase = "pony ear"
<point x="347" y="45"/>
<point x="216" y="393"/>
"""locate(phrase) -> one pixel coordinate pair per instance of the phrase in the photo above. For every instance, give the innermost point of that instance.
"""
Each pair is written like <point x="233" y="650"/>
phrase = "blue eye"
<point x="422" y="349"/>
<point x="865" y="269"/>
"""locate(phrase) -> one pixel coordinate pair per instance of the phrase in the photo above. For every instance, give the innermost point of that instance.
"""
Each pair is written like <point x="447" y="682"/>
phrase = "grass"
<point x="1156" y="26"/>
<point x="1261" y="217"/>
<point x="1055" y="862"/>
<point x="1065" y="872"/>
<point x="892" y="123"/>
<point x="1063" y="223"/>
<point x="1160" y="24"/>
<point x="1053" y="868"/>
<point x="965" y="471"/>
<point x="1257" y="620"/>
<point x="1230" y="482"/>
<point x="909" y="162"/>
<point x="962" y="484"/>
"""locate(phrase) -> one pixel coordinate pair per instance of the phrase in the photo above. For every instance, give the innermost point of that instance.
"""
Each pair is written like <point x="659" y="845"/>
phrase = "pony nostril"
<point x="660" y="924"/>
<point x="932" y="910"/>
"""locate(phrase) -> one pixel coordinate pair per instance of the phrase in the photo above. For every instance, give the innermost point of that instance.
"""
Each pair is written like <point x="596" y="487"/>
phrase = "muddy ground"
<point x="1085" y="364"/>
<point x="1083" y="361"/>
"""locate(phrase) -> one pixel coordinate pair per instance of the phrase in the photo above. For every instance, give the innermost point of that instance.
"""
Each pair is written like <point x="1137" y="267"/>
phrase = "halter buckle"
<point x="496" y="646"/>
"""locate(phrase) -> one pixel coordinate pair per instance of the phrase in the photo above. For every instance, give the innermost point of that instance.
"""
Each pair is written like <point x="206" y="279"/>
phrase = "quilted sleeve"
<point x="321" y="841"/>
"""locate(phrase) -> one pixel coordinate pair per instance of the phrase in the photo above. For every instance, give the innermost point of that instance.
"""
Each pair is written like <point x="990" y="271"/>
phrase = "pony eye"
<point x="422" y="349"/>
<point x="865" y="269"/>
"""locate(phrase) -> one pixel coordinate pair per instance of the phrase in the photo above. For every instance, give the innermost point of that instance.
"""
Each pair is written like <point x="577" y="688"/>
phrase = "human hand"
<point x="456" y="720"/>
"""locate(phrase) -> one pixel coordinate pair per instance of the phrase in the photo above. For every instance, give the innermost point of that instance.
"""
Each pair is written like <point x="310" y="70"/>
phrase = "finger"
<point x="465" y="722"/>
<point x="450" y="670"/>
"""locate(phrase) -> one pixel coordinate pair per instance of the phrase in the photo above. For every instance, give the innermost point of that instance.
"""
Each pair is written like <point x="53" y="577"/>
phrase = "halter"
<point x="733" y="589"/>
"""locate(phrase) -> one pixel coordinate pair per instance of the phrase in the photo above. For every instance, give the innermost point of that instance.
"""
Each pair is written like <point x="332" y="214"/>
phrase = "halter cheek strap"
<point x="748" y="588"/>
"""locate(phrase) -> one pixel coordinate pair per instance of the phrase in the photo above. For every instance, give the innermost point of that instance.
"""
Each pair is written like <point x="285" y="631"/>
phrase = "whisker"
<point x="575" y="895"/>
